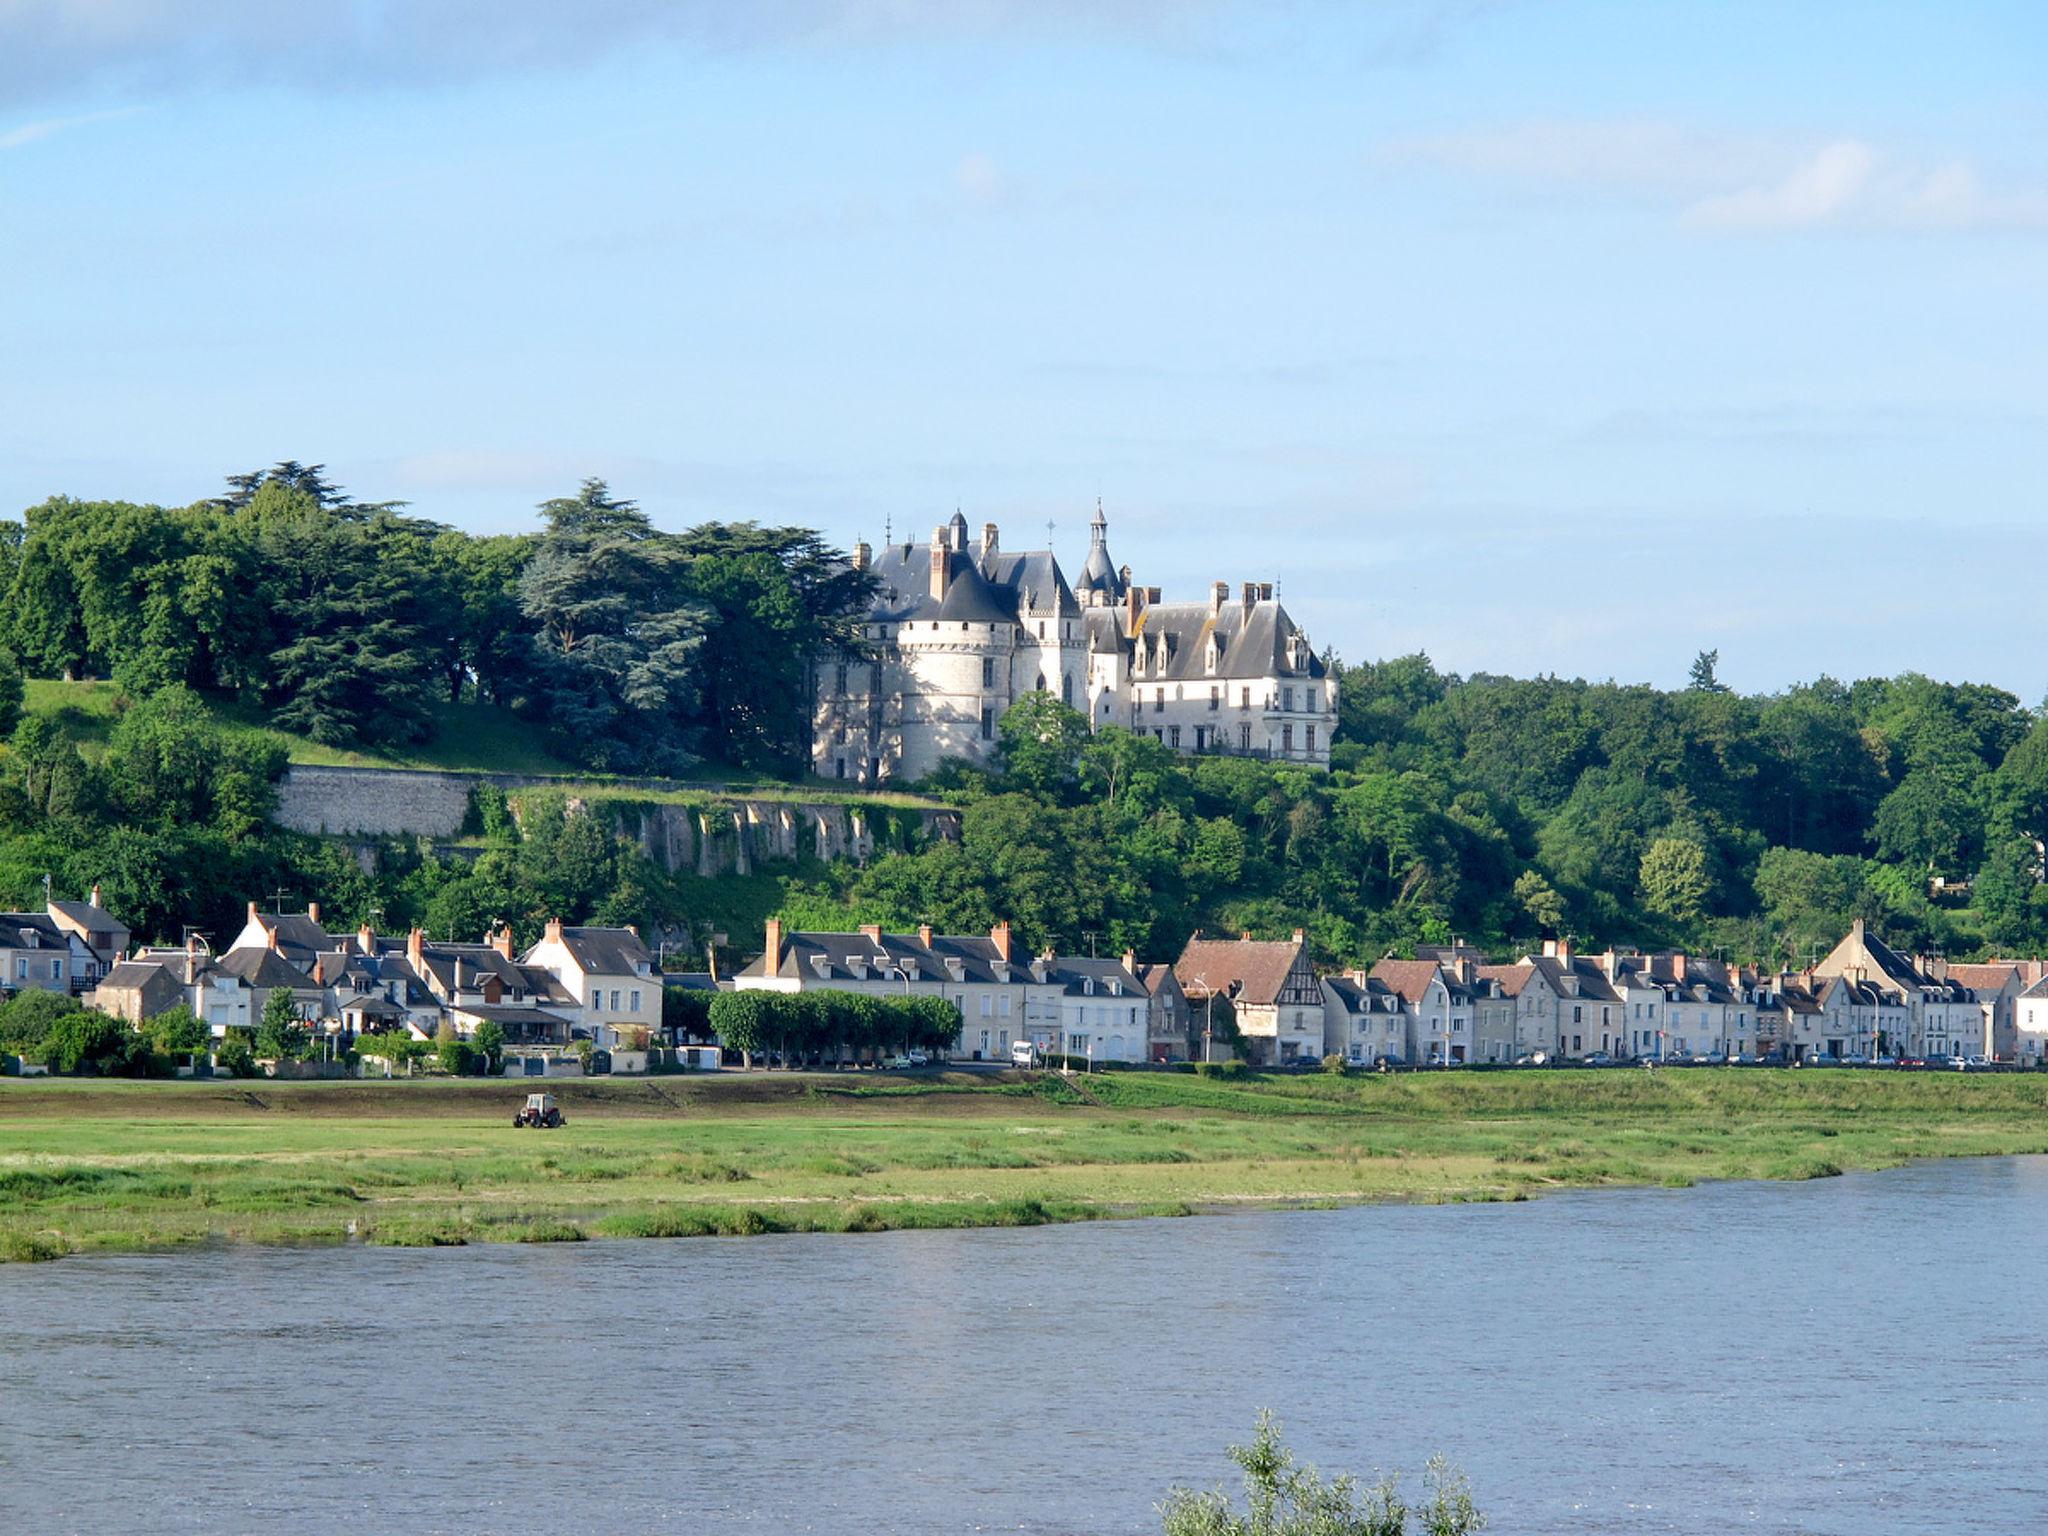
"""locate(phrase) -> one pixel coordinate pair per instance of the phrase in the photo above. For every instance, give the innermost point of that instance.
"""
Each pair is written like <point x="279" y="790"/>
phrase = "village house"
<point x="104" y="936"/>
<point x="36" y="955"/>
<point x="1271" y="989"/>
<point x="1170" y="1027"/>
<point x="1908" y="1008"/>
<point x="611" y="981"/>
<point x="1364" y="1021"/>
<point x="1105" y="1010"/>
<point x="222" y="999"/>
<point x="1003" y="996"/>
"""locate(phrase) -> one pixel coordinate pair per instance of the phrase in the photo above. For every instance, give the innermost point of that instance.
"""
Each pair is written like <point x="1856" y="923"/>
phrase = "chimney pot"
<point x="554" y="929"/>
<point x="501" y="940"/>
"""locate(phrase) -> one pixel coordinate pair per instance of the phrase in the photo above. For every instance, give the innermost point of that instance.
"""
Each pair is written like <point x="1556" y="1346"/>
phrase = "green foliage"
<point x="235" y="1055"/>
<point x="27" y="1020"/>
<point x="281" y="1036"/>
<point x="1285" y="1498"/>
<point x="1673" y="877"/>
<point x="458" y="1058"/>
<point x="177" y="1032"/>
<point x="490" y="1044"/>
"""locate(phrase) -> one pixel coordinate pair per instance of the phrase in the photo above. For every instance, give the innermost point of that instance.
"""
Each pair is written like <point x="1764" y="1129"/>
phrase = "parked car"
<point x="1024" y="1054"/>
<point x="1600" y="1059"/>
<point x="920" y="1058"/>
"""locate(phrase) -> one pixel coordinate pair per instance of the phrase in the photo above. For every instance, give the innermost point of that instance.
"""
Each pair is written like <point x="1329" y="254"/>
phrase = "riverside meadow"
<point x="93" y="1166"/>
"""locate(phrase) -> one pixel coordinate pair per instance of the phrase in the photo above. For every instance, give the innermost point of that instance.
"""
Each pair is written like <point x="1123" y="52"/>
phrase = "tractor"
<point x="541" y="1111"/>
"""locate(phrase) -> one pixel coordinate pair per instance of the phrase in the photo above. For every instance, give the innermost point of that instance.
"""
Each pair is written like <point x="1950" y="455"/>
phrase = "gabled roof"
<point x="1577" y="977"/>
<point x="1986" y="976"/>
<point x="1250" y="970"/>
<point x="604" y="951"/>
<point x="298" y="936"/>
<point x="264" y="968"/>
<point x="138" y="973"/>
<point x="1509" y="979"/>
<point x="86" y="915"/>
<point x="1361" y="994"/>
<point x="1157" y="978"/>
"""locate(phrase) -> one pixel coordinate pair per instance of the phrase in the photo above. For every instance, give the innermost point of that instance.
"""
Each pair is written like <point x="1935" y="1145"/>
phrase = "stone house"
<point x="1105" y="1010"/>
<point x="1271" y="987"/>
<point x="1001" y="994"/>
<point x="1364" y="1021"/>
<point x="1170" y="1030"/>
<point x="611" y="981"/>
<point x="104" y="936"/>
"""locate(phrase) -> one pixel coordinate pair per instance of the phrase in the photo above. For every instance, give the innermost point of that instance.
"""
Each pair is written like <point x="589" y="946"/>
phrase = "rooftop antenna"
<point x="888" y="529"/>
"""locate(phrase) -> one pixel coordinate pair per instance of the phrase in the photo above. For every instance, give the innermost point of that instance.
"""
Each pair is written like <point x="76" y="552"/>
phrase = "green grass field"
<point x="468" y="738"/>
<point x="91" y="1165"/>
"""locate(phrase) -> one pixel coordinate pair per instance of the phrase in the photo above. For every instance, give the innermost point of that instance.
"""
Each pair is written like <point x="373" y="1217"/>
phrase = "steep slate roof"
<point x="1069" y="973"/>
<point x="137" y="973"/>
<point x="299" y="938"/>
<point x="608" y="951"/>
<point x="1251" y="970"/>
<point x="1253" y="642"/>
<point x="1156" y="977"/>
<point x="1361" y="994"/>
<point x="264" y="968"/>
<point x="1013" y="584"/>
<point x="978" y="957"/>
<point x="31" y="930"/>
<point x="1578" y="977"/>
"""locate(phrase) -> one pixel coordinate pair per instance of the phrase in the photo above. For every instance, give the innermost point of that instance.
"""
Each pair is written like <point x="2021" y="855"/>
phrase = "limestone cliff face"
<point x="722" y="833"/>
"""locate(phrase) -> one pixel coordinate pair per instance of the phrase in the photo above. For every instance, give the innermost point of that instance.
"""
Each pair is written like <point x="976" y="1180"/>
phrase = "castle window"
<point x="1066" y="688"/>
<point x="1244" y="699"/>
<point x="1173" y="736"/>
<point x="842" y="677"/>
<point x="1311" y="738"/>
<point x="1244" y="738"/>
<point x="988" y="672"/>
<point x="1311" y="700"/>
<point x="988" y="725"/>
<point x="1287" y="698"/>
<point x="1286" y="738"/>
<point x="1159" y="702"/>
<point x="1043" y="685"/>
<point x="1041" y="629"/>
<point x="1215" y="697"/>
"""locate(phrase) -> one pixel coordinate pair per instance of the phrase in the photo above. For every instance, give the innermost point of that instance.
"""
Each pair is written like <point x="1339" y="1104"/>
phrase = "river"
<point x="1860" y="1355"/>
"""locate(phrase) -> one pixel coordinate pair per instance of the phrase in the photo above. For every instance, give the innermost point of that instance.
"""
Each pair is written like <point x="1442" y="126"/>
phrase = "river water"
<point x="1860" y="1355"/>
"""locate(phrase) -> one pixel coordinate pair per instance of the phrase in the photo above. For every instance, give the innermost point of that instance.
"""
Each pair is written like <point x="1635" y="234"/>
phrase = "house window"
<point x="1287" y="698"/>
<point x="615" y="1000"/>
<point x="21" y="970"/>
<point x="1159" y="702"/>
<point x="1310" y="706"/>
<point x="1286" y="738"/>
<point x="1311" y="738"/>
<point x="636" y="1001"/>
<point x="1003" y="1006"/>
<point x="988" y="672"/>
<point x="1215" y="698"/>
<point x="988" y="725"/>
<point x="987" y="1008"/>
<point x="1576" y="1014"/>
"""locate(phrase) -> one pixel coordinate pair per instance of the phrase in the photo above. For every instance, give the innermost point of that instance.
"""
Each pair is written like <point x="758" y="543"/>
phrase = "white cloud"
<point x="1732" y="182"/>
<point x="49" y="127"/>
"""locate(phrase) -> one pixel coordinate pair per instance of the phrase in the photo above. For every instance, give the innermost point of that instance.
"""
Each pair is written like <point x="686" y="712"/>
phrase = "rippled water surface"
<point x="1861" y="1355"/>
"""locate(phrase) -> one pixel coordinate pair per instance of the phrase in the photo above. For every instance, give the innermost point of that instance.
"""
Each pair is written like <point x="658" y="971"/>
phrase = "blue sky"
<point x="1542" y="336"/>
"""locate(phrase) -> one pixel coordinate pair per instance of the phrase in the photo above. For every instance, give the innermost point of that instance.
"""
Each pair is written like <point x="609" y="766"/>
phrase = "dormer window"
<point x="1088" y="986"/>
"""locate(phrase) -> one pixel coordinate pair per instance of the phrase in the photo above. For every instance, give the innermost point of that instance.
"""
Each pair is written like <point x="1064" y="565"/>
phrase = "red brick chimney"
<point x="1131" y="961"/>
<point x="366" y="939"/>
<point x="416" y="951"/>
<point x="924" y="934"/>
<point x="1000" y="935"/>
<point x="872" y="932"/>
<point x="554" y="930"/>
<point x="501" y="940"/>
<point x="313" y="913"/>
<point x="270" y="937"/>
<point x="771" y="951"/>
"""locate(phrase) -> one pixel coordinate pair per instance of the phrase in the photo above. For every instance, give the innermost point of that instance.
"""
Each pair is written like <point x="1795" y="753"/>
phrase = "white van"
<point x="1023" y="1054"/>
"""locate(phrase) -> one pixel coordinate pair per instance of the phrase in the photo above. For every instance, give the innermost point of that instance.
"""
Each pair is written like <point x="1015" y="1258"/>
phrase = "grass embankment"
<point x="468" y="738"/>
<point x="87" y="1165"/>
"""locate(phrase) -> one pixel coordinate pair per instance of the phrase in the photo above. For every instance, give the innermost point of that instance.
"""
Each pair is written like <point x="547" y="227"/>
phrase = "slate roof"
<point x="1071" y="974"/>
<point x="607" y="951"/>
<point x="1253" y="643"/>
<point x="299" y="938"/>
<point x="89" y="917"/>
<point x="978" y="957"/>
<point x="31" y="930"/>
<point x="1578" y="977"/>
<point x="1012" y="585"/>
<point x="264" y="968"/>
<point x="1251" y="970"/>
<point x="137" y="973"/>
<point x="1361" y="994"/>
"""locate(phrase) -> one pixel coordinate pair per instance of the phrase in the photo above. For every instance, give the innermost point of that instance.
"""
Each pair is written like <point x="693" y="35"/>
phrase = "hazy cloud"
<point x="51" y="47"/>
<point x="50" y="127"/>
<point x="1731" y="182"/>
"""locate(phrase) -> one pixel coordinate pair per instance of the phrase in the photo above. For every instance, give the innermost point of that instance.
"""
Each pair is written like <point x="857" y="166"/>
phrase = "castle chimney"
<point x="863" y="557"/>
<point x="320" y="970"/>
<point x="771" y="948"/>
<point x="501" y="940"/>
<point x="366" y="939"/>
<point x="313" y="913"/>
<point x="1219" y="594"/>
<point x="94" y="899"/>
<point x="1265" y="591"/>
<point x="416" y="952"/>
<point x="1000" y="936"/>
<point x="988" y="544"/>
<point x="1251" y="595"/>
<point x="942" y="564"/>
<point x="924" y="934"/>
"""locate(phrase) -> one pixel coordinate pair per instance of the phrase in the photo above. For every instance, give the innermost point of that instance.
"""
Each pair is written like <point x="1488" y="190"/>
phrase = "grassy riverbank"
<point x="115" y="1165"/>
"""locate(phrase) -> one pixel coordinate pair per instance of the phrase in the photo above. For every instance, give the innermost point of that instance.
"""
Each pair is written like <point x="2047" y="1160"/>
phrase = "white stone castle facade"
<point x="958" y="633"/>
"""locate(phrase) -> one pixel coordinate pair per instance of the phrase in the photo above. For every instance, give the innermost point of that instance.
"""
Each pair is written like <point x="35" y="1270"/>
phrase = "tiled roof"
<point x="1252" y="970"/>
<point x="1510" y="979"/>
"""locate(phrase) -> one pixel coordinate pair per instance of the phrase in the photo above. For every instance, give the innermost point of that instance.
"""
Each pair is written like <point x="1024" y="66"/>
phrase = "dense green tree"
<point x="1673" y="877"/>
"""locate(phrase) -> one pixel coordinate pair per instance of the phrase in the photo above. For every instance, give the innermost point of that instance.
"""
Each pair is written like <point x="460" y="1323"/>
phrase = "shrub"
<point x="458" y="1058"/>
<point x="1219" y="1069"/>
<point x="236" y="1056"/>
<point x="1334" y="1064"/>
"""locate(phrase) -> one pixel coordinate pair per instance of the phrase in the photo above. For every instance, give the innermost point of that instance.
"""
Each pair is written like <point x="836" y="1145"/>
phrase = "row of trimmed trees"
<point x="831" y="1027"/>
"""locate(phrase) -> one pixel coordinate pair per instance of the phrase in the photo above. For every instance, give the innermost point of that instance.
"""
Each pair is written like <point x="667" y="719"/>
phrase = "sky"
<point x="1545" y="336"/>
